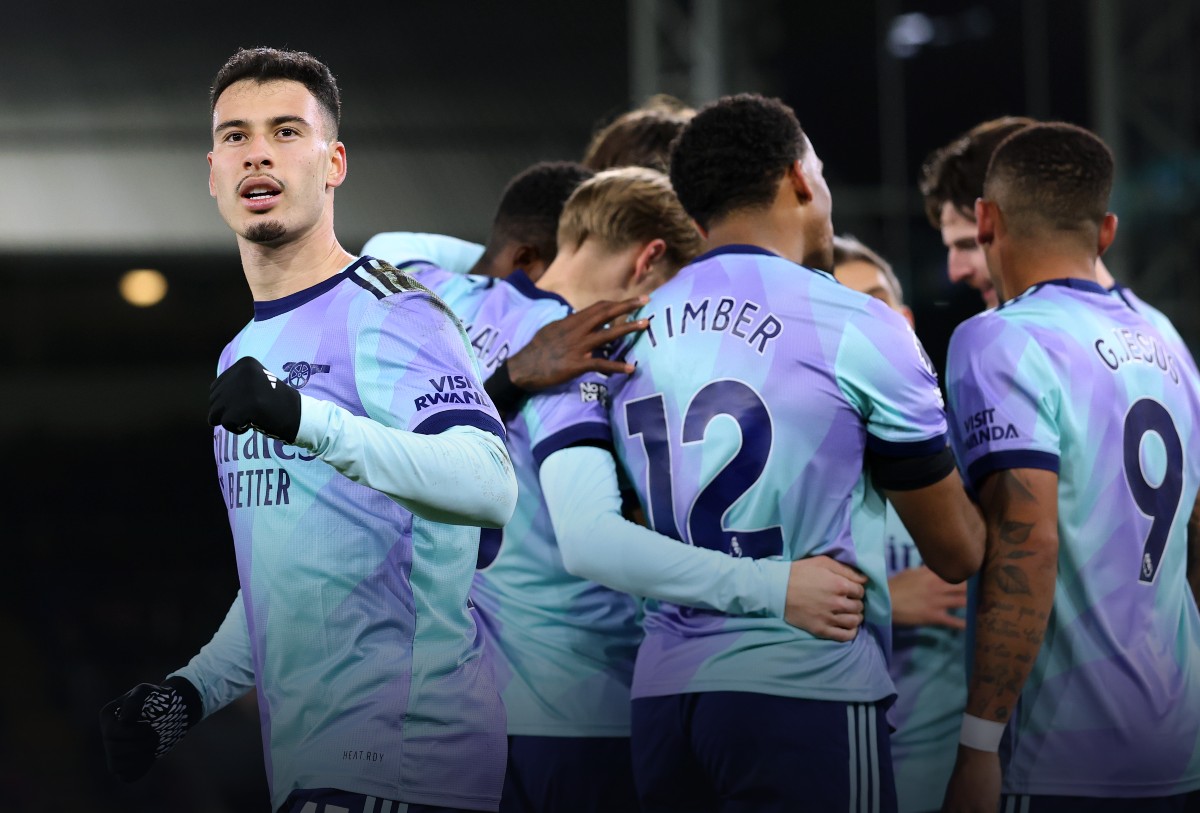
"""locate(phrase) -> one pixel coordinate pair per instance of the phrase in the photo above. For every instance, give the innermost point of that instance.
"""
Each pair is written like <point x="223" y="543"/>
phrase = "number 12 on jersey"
<point x="705" y="519"/>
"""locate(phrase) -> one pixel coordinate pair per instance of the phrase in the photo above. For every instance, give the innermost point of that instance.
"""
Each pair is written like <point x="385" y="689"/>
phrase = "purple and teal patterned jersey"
<point x="1068" y="378"/>
<point x="563" y="646"/>
<point x="371" y="674"/>
<point x="760" y="385"/>
<point x="928" y="666"/>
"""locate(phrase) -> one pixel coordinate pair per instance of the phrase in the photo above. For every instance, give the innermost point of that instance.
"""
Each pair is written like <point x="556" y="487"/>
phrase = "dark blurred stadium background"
<point x="118" y="560"/>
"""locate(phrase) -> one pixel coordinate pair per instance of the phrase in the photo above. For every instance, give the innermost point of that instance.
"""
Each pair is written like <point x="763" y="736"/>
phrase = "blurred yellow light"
<point x="143" y="287"/>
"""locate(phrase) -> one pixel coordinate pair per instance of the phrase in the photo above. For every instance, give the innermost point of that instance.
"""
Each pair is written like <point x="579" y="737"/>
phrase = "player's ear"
<point x="986" y="215"/>
<point x="1108" y="233"/>
<point x="212" y="186"/>
<point x="799" y="182"/>
<point x="337" y="165"/>
<point x="649" y="254"/>
<point x="528" y="258"/>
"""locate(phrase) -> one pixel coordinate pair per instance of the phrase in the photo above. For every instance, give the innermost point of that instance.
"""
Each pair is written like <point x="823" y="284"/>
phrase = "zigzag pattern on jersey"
<point x="166" y="713"/>
<point x="384" y="279"/>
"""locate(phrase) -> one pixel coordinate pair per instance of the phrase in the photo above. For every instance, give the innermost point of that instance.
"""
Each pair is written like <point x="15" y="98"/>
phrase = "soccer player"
<point x="351" y="486"/>
<point x="565" y="644"/>
<point x="1073" y="417"/>
<point x="928" y="663"/>
<point x="761" y="386"/>
<point x="952" y="179"/>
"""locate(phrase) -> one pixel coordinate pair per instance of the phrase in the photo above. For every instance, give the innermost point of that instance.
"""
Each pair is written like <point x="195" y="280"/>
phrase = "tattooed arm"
<point x="1016" y="593"/>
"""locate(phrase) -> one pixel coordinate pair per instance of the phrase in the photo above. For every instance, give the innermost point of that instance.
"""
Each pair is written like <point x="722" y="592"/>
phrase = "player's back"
<point x="760" y="384"/>
<point x="1094" y="390"/>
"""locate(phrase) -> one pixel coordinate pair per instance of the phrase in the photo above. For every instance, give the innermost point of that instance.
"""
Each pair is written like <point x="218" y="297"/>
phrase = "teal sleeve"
<point x="223" y="670"/>
<point x="450" y="253"/>
<point x="598" y="543"/>
<point x="461" y="476"/>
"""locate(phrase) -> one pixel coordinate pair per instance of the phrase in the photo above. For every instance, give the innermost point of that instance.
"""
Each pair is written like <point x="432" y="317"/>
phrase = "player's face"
<point x="272" y="168"/>
<point x="964" y="258"/>
<point x="818" y="223"/>
<point x="867" y="278"/>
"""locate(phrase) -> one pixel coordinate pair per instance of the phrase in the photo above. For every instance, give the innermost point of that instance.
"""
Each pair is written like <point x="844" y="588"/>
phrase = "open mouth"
<point x="259" y="193"/>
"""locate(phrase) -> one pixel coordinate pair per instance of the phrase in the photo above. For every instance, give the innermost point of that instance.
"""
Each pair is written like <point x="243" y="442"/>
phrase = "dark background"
<point x="118" y="559"/>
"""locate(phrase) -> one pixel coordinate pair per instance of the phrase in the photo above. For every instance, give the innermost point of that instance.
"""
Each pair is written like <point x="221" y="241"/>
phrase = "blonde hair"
<point x="627" y="205"/>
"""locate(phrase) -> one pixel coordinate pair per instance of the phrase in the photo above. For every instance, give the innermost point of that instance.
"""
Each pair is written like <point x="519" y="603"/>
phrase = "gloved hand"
<point x="145" y="723"/>
<point x="247" y="395"/>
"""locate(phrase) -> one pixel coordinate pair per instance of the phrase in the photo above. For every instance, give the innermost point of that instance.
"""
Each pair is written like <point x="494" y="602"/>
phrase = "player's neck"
<point x="775" y="231"/>
<point x="587" y="275"/>
<point x="276" y="271"/>
<point x="1027" y="265"/>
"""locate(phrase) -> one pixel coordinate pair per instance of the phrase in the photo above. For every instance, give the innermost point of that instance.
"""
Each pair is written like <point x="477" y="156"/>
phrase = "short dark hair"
<point x="954" y="173"/>
<point x="264" y="64"/>
<point x="531" y="204"/>
<point x="1054" y="175"/>
<point x="640" y="137"/>
<point x="732" y="154"/>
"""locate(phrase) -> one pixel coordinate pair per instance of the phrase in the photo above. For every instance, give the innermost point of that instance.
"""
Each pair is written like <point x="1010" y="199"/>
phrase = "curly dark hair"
<point x="531" y="204"/>
<point x="732" y="153"/>
<point x="954" y="173"/>
<point x="264" y="64"/>
<point x="1055" y="175"/>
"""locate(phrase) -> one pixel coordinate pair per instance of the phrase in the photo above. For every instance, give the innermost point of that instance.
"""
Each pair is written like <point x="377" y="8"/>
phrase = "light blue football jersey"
<point x="564" y="647"/>
<point x="371" y="674"/>
<point x="1067" y="377"/>
<point x="760" y="385"/>
<point x="928" y="667"/>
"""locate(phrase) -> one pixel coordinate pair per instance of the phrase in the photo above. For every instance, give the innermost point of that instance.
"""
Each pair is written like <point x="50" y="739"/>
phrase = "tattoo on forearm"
<point x="1014" y="600"/>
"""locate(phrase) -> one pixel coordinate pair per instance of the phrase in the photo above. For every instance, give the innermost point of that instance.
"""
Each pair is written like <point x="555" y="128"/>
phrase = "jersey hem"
<point x="573" y="730"/>
<point x="1093" y="789"/>
<point x="799" y="692"/>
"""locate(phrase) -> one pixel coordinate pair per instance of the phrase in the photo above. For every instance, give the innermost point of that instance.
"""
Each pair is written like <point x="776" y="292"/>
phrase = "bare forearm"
<point x="1016" y="588"/>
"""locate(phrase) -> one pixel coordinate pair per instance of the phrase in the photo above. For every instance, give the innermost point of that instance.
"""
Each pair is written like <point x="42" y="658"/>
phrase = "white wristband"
<point x="980" y="734"/>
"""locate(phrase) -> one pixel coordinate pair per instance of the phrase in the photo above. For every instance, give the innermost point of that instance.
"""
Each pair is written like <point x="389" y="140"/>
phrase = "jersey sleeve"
<point x="451" y="253"/>
<point x="597" y="543"/>
<point x="462" y="293"/>
<point x="223" y="670"/>
<point x="431" y="439"/>
<point x="1003" y="399"/>
<point x="572" y="414"/>
<point x="885" y="373"/>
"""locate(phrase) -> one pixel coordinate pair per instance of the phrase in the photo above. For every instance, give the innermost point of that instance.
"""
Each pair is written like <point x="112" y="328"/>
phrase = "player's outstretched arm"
<point x="563" y="350"/>
<point x="1016" y="595"/>
<point x="945" y="525"/>
<point x="820" y="595"/>
<point x="398" y="247"/>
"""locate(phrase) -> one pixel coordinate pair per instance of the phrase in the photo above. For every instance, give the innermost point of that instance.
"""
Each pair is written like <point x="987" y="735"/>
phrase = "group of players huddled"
<point x="655" y="502"/>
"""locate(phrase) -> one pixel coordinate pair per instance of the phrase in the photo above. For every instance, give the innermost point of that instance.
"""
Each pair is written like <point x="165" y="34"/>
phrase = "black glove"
<point x="247" y="395"/>
<point x="145" y="723"/>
